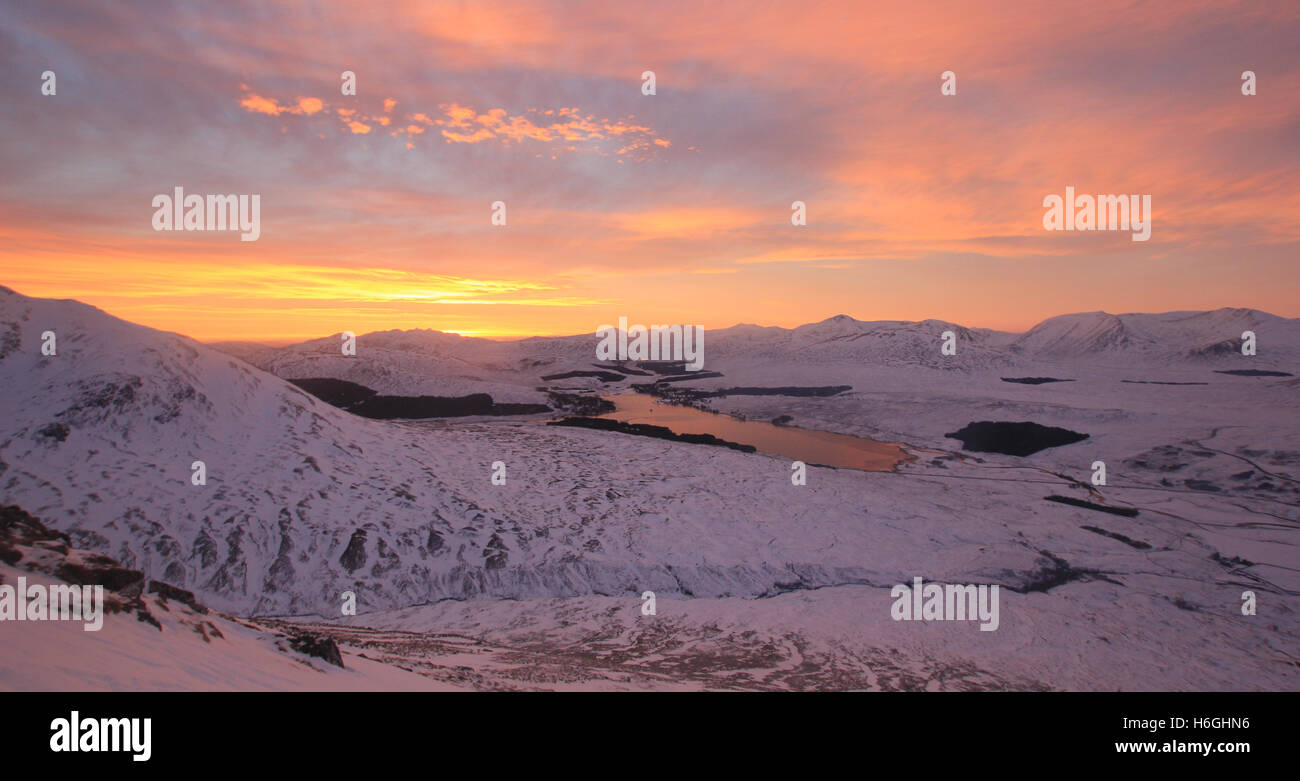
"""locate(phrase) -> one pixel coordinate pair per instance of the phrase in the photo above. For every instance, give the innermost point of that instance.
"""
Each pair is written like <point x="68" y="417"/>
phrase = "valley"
<point x="536" y="582"/>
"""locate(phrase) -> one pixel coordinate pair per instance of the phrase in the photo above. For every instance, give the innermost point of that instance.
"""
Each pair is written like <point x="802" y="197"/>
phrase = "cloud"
<point x="562" y="129"/>
<point x="258" y="104"/>
<point x="558" y="130"/>
<point x="539" y="104"/>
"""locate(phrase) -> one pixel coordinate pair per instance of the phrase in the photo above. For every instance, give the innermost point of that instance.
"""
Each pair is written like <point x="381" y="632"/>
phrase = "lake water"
<point x="797" y="444"/>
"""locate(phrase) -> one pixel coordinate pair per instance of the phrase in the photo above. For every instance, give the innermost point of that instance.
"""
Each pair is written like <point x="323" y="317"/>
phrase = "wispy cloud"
<point x="554" y="130"/>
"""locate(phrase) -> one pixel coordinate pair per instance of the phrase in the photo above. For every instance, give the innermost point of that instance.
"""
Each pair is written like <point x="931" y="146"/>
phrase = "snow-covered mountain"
<point x="433" y="363"/>
<point x="304" y="501"/>
<point x="1213" y="337"/>
<point x="896" y="343"/>
<point x="424" y="362"/>
<point x="154" y="637"/>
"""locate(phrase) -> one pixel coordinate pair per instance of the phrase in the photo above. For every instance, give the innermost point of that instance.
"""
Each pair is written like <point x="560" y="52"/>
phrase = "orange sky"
<point x="375" y="208"/>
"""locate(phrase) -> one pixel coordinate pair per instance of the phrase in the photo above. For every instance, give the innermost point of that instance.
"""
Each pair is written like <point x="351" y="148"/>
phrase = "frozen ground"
<point x="759" y="583"/>
<point x="146" y="642"/>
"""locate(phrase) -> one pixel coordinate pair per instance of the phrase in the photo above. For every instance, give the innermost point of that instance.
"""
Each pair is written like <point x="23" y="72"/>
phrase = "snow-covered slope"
<point x="431" y="363"/>
<point x="1213" y="337"/>
<point x="841" y="338"/>
<point x="152" y="637"/>
<point x="304" y="501"/>
<point x="434" y="363"/>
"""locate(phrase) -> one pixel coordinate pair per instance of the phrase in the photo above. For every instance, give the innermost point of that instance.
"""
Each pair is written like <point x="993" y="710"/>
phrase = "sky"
<point x="376" y="208"/>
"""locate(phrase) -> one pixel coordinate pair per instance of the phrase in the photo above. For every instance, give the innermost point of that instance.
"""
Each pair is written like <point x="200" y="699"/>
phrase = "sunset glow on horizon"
<point x="673" y="207"/>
